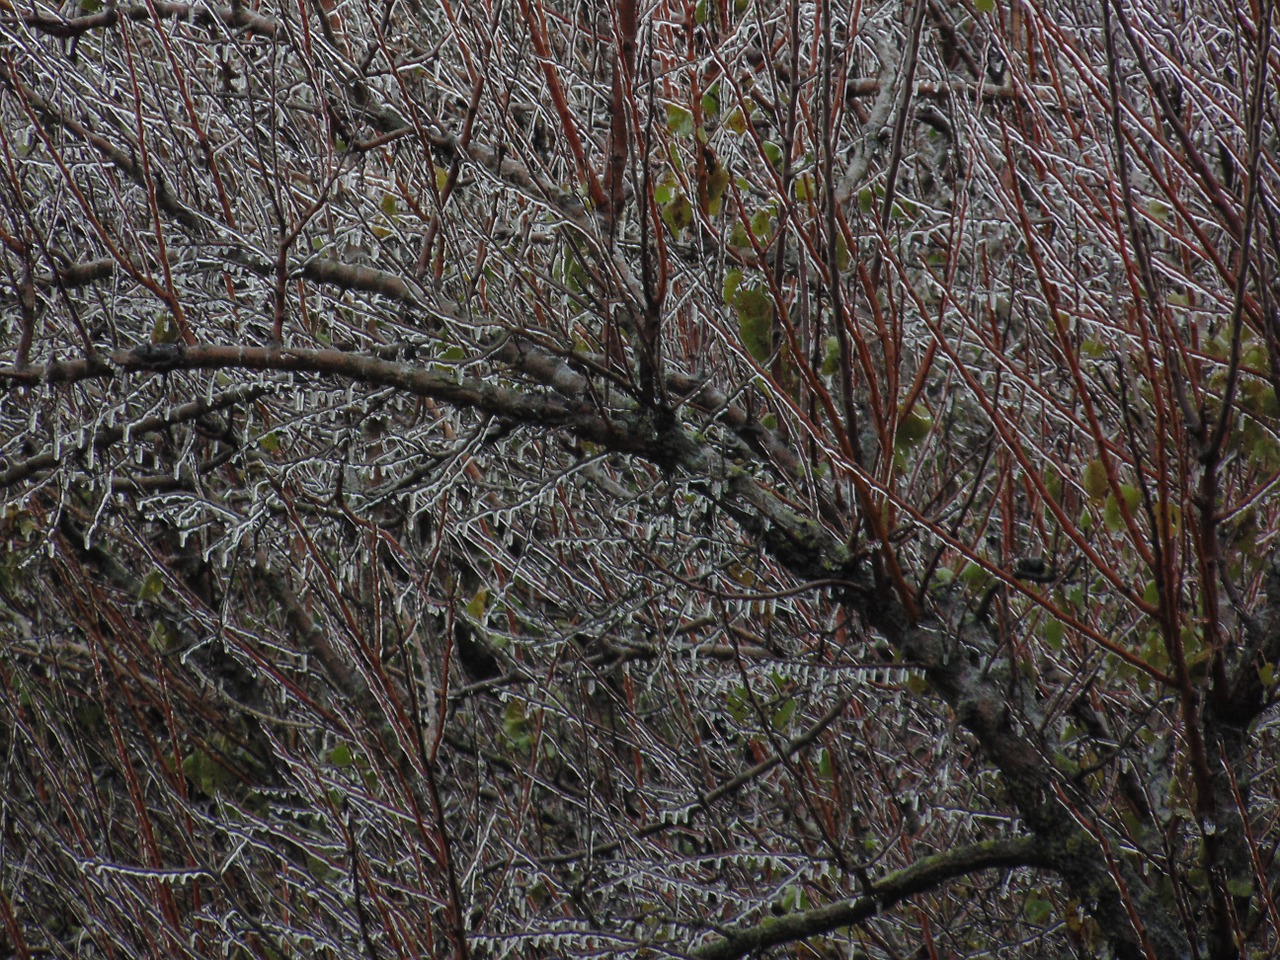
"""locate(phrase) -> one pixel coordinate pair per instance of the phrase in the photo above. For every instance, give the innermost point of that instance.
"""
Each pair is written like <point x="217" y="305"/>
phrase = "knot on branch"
<point x="158" y="357"/>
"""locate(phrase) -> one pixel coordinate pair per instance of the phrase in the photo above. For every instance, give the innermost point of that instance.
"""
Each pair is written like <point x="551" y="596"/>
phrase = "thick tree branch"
<point x="925" y="874"/>
<point x="235" y="16"/>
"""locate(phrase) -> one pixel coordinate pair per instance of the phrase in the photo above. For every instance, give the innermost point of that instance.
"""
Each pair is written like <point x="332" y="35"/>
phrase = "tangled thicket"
<point x="710" y="479"/>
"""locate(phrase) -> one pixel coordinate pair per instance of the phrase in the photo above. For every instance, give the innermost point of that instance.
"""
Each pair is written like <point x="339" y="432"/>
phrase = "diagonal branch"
<point x="926" y="873"/>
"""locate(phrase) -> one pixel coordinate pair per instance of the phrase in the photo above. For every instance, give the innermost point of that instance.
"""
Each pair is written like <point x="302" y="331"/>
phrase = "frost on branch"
<point x="546" y="480"/>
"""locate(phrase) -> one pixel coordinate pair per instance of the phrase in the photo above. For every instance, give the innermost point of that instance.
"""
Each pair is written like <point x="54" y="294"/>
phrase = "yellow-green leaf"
<point x="732" y="280"/>
<point x="341" y="756"/>
<point x="678" y="214"/>
<point x="912" y="428"/>
<point x="679" y="120"/>
<point x="515" y="724"/>
<point x="164" y="330"/>
<point x="152" y="586"/>
<point x="717" y="182"/>
<point x="755" y="322"/>
<point x="1096" y="484"/>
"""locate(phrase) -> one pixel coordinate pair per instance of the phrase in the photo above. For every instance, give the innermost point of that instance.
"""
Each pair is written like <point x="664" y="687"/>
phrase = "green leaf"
<point x="732" y="280"/>
<point x="793" y="899"/>
<point x="762" y="224"/>
<point x="1037" y="910"/>
<point x="912" y="428"/>
<point x="162" y="638"/>
<point x="1267" y="674"/>
<point x="711" y="101"/>
<point x="831" y="357"/>
<point x="341" y="756"/>
<point x="152" y="586"/>
<point x="736" y="121"/>
<point x="678" y="214"/>
<point x="737" y="702"/>
<point x="1053" y="631"/>
<point x="782" y="717"/>
<point x="515" y="724"/>
<point x="679" y="120"/>
<point x="1053" y="483"/>
<point x="1096" y="484"/>
<point x="476" y="605"/>
<point x="717" y="184"/>
<point x="1240" y="888"/>
<point x="984" y="6"/>
<point x="1112" y="516"/>
<point x="203" y="769"/>
<point x="453" y="354"/>
<point x="1085" y="521"/>
<point x="842" y="252"/>
<point x="270" y="442"/>
<point x="1199" y="664"/>
<point x="755" y="321"/>
<point x="164" y="330"/>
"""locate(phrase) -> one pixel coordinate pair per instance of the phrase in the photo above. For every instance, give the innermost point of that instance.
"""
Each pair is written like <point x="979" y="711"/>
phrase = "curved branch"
<point x="925" y="874"/>
<point x="236" y="16"/>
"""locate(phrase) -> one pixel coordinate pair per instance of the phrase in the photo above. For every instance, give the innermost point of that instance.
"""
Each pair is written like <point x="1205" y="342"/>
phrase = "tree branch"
<point x="925" y="874"/>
